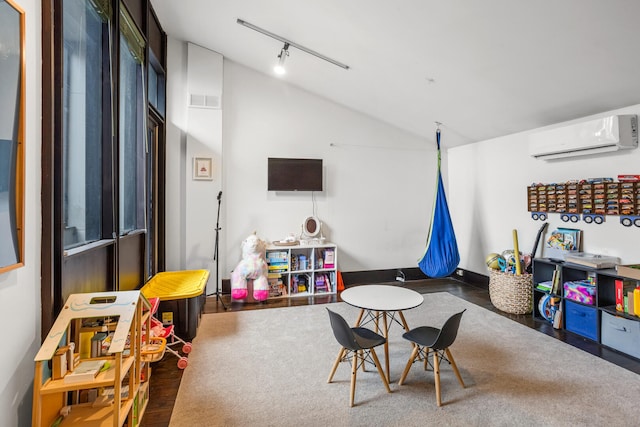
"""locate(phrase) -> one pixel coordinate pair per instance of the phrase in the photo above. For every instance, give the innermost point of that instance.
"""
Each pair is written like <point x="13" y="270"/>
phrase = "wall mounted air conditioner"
<point x="606" y="134"/>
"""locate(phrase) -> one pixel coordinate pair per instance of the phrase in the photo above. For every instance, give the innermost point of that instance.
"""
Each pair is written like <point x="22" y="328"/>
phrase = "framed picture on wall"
<point x="12" y="90"/>
<point x="203" y="168"/>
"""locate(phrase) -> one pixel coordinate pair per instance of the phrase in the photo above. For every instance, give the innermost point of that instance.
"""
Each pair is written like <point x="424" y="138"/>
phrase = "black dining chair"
<point x="357" y="347"/>
<point x="428" y="338"/>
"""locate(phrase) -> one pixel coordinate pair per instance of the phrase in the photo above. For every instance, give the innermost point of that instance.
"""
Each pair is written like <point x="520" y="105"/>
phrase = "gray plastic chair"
<point x="357" y="347"/>
<point x="427" y="338"/>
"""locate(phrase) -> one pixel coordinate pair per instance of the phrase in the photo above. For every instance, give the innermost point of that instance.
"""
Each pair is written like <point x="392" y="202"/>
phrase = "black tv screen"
<point x="294" y="174"/>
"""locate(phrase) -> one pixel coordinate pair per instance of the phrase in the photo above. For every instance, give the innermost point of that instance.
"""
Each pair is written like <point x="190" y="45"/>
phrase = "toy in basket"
<point x="511" y="293"/>
<point x="166" y="333"/>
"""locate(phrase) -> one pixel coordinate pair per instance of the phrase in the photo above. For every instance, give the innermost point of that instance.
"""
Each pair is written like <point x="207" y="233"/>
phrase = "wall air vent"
<point x="204" y="101"/>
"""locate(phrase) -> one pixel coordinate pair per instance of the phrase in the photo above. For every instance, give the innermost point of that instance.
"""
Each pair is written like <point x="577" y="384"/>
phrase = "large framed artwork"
<point x="12" y="92"/>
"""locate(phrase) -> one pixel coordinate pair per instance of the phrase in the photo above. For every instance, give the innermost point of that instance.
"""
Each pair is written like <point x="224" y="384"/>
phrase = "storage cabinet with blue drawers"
<point x="587" y="301"/>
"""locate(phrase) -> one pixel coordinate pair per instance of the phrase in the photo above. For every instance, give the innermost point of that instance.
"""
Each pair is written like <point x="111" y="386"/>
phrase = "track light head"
<point x="279" y="68"/>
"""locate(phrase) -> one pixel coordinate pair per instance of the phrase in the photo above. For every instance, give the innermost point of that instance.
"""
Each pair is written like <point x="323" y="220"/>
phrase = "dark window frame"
<point x="104" y="265"/>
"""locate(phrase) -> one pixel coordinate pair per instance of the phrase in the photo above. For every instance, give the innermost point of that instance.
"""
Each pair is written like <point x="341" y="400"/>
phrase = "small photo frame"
<point x="203" y="168"/>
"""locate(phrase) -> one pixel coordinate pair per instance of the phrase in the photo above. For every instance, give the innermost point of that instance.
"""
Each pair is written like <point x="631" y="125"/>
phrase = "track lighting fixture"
<point x="279" y="68"/>
<point x="285" y="52"/>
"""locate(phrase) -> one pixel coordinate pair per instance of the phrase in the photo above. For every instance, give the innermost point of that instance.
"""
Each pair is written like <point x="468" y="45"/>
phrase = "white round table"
<point x="382" y="301"/>
<point x="381" y="297"/>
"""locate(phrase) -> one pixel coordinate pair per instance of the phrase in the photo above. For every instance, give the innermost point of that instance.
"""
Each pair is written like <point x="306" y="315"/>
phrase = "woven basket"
<point x="511" y="293"/>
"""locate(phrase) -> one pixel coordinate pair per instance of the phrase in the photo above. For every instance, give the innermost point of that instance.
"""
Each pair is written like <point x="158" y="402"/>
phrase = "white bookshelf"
<point x="302" y="270"/>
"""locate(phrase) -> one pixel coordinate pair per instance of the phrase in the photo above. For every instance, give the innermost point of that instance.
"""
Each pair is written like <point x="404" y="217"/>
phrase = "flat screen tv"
<point x="294" y="174"/>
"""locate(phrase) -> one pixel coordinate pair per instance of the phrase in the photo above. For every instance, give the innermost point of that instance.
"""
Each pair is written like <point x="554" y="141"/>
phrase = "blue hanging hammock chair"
<point x="441" y="256"/>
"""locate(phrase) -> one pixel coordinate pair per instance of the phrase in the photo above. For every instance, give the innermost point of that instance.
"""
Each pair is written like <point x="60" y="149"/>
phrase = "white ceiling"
<point x="482" y="68"/>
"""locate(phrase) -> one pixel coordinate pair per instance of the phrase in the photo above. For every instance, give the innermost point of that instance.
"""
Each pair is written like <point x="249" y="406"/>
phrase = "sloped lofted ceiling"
<point x="482" y="68"/>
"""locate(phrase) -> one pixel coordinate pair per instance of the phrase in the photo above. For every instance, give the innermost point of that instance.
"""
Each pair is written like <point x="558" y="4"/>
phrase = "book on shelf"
<point x="622" y="288"/>
<point x="278" y="256"/>
<point x="276" y="287"/>
<point x="321" y="285"/>
<point x="562" y="242"/>
<point x="631" y="303"/>
<point x="86" y="370"/>
<point x="278" y="268"/>
<point x="329" y="258"/>
<point x="545" y="286"/>
<point x="631" y="271"/>
<point x="555" y="286"/>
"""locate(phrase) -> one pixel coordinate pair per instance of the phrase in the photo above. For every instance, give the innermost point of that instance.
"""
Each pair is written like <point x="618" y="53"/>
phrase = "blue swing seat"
<point x="441" y="256"/>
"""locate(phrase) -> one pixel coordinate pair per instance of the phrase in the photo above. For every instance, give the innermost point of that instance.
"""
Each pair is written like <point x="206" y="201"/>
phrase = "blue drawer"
<point x="581" y="319"/>
<point x="621" y="334"/>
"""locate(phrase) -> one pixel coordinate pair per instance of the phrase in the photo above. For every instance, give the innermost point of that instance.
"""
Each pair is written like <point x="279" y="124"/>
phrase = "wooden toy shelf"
<point x="124" y="372"/>
<point x="591" y="200"/>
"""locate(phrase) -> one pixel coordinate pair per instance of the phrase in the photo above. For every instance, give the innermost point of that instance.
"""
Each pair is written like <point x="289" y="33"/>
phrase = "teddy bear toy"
<point x="252" y="266"/>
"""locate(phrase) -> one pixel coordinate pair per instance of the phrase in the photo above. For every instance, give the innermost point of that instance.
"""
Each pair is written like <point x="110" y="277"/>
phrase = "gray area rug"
<point x="270" y="367"/>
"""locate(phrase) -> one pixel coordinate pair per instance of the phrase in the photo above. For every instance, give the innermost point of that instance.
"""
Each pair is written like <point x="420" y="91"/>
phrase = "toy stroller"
<point x="168" y="334"/>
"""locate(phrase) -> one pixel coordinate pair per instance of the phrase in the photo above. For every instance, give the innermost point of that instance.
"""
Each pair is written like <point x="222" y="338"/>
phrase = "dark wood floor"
<point x="166" y="376"/>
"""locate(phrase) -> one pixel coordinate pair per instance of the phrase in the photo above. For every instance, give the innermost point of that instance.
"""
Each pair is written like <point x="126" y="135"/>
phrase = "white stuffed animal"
<point x="252" y="266"/>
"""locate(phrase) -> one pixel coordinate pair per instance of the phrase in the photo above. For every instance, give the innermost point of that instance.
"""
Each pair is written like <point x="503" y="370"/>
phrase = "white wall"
<point x="204" y="140"/>
<point x="488" y="198"/>
<point x="379" y="181"/>
<point x="192" y="132"/>
<point x="176" y="151"/>
<point x="20" y="289"/>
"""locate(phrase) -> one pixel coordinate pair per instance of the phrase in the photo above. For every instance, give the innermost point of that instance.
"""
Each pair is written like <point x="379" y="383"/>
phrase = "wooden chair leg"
<point x="454" y="366"/>
<point x="436" y="376"/>
<point x="414" y="353"/>
<point x="336" y="363"/>
<point x="359" y="317"/>
<point x="354" y="370"/>
<point x="382" y="375"/>
<point x="426" y="358"/>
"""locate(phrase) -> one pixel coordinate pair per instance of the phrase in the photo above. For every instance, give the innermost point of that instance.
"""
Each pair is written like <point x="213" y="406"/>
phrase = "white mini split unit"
<point x="606" y="134"/>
